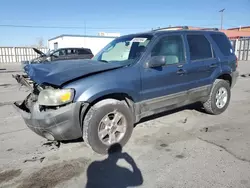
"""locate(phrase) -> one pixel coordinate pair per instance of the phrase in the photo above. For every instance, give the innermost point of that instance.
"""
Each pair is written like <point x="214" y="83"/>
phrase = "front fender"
<point x="99" y="90"/>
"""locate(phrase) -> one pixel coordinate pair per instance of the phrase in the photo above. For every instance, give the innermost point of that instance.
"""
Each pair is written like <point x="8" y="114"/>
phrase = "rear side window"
<point x="199" y="47"/>
<point x="223" y="44"/>
<point x="84" y="51"/>
<point x="71" y="52"/>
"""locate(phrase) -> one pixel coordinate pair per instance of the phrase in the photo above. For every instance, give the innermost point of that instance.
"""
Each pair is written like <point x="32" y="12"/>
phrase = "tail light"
<point x="91" y="56"/>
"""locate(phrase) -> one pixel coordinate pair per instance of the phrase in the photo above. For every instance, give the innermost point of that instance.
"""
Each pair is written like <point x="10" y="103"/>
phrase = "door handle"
<point x="181" y="72"/>
<point x="213" y="65"/>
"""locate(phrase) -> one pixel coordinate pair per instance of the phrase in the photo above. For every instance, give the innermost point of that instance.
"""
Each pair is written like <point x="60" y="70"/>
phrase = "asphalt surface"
<point x="185" y="148"/>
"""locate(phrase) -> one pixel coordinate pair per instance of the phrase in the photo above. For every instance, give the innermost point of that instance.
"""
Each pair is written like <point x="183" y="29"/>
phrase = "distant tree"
<point x="39" y="43"/>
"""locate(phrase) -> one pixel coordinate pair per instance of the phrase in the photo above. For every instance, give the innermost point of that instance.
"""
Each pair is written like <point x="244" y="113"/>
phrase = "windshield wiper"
<point x="104" y="61"/>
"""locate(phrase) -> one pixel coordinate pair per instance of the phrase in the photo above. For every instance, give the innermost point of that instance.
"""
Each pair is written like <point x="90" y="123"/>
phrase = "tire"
<point x="210" y="105"/>
<point x="93" y="118"/>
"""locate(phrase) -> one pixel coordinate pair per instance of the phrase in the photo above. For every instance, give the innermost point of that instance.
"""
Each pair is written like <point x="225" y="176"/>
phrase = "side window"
<point x="172" y="48"/>
<point x="199" y="47"/>
<point x="223" y="44"/>
<point x="56" y="53"/>
<point x="60" y="53"/>
<point x="71" y="51"/>
<point x="84" y="51"/>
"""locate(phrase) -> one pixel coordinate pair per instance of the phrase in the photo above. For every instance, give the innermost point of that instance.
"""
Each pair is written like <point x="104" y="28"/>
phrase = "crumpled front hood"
<point x="60" y="72"/>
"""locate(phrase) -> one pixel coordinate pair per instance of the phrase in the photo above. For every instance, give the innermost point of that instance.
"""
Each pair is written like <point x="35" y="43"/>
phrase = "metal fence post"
<point x="248" y="49"/>
<point x="15" y="58"/>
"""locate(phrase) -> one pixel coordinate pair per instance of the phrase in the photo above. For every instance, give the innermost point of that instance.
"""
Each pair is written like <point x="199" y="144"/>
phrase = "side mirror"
<point x="156" y="61"/>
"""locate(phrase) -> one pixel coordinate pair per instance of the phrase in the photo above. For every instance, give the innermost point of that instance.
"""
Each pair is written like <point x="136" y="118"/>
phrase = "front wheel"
<point x="219" y="97"/>
<point x="107" y="122"/>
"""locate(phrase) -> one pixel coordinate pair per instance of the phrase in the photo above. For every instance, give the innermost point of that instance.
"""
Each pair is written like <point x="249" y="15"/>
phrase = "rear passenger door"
<point x="202" y="62"/>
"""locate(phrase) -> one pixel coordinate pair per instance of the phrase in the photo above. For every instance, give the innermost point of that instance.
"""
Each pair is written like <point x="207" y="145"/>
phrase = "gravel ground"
<point x="185" y="148"/>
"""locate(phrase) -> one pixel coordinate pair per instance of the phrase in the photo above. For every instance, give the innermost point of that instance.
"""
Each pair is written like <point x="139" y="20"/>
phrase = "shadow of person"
<point x="107" y="174"/>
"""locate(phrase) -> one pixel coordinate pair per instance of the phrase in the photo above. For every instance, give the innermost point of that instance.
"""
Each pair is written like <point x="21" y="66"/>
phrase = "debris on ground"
<point x="52" y="143"/>
<point x="33" y="159"/>
<point x="41" y="159"/>
<point x="30" y="160"/>
<point x="245" y="75"/>
<point x="185" y="120"/>
<point x="10" y="149"/>
<point x="205" y="129"/>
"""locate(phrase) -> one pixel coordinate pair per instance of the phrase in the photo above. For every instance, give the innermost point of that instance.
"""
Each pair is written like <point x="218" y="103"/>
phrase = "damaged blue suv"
<point x="134" y="76"/>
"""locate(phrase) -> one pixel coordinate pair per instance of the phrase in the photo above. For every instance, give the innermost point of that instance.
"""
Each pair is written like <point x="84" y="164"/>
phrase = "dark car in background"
<point x="60" y="54"/>
<point x="71" y="53"/>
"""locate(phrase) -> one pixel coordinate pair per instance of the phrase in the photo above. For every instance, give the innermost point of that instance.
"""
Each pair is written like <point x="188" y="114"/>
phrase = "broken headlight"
<point x="55" y="97"/>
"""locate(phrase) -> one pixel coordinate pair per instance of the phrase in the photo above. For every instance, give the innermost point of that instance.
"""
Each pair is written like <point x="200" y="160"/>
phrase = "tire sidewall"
<point x="220" y="84"/>
<point x="96" y="116"/>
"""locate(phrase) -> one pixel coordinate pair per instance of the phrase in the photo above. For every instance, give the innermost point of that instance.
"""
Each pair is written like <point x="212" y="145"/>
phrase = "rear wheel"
<point x="107" y="122"/>
<point x="219" y="97"/>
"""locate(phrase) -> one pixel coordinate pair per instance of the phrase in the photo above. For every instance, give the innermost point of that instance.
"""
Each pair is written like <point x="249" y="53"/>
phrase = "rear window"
<point x="199" y="47"/>
<point x="223" y="44"/>
<point x="84" y="51"/>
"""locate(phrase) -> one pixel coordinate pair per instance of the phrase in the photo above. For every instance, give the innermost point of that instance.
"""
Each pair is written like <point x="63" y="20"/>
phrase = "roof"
<point x="70" y="48"/>
<point x="90" y="36"/>
<point x="163" y="31"/>
<point x="230" y="33"/>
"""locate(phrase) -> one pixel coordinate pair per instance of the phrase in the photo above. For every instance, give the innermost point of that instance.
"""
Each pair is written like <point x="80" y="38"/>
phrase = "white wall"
<point x="94" y="43"/>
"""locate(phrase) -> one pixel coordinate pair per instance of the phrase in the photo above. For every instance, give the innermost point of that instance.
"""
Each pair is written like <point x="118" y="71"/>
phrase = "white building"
<point x="95" y="43"/>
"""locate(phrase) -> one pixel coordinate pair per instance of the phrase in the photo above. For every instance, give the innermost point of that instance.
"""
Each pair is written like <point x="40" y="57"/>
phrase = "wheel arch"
<point x="117" y="96"/>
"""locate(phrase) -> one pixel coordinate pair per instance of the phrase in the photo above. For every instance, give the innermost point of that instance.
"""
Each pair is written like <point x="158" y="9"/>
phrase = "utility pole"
<point x="221" y="24"/>
<point x="85" y="27"/>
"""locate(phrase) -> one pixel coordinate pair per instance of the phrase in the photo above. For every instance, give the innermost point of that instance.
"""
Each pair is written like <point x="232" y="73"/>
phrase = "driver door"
<point x="166" y="85"/>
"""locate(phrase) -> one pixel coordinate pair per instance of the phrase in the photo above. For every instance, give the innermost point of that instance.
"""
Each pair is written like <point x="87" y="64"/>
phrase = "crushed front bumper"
<point x="60" y="124"/>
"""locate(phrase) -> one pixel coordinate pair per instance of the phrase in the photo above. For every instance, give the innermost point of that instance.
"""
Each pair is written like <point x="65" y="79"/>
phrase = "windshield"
<point x="125" y="50"/>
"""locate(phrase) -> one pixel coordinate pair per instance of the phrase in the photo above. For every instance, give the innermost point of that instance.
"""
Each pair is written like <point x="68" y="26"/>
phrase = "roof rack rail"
<point x="213" y="29"/>
<point x="171" y="28"/>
